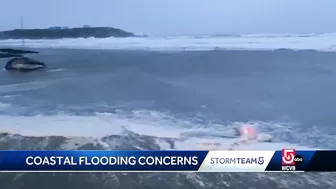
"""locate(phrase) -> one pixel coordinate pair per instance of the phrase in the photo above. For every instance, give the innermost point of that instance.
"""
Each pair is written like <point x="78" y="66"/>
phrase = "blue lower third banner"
<point x="150" y="161"/>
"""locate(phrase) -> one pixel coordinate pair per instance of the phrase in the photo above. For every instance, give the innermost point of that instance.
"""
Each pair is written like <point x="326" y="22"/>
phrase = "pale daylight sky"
<point x="175" y="17"/>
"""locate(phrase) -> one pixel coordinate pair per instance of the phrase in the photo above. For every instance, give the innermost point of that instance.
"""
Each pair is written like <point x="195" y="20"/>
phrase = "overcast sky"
<point x="175" y="17"/>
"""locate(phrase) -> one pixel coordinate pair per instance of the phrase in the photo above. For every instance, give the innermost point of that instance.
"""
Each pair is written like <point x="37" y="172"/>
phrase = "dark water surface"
<point x="291" y="95"/>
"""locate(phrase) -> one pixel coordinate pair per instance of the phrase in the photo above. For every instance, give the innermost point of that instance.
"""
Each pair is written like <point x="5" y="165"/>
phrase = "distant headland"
<point x="58" y="32"/>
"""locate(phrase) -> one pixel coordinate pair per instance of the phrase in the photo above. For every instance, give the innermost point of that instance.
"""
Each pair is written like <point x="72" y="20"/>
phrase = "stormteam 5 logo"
<point x="288" y="156"/>
<point x="290" y="159"/>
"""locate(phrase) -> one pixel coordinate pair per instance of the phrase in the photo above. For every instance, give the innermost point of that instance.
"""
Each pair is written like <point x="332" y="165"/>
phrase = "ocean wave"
<point x="141" y="130"/>
<point x="161" y="125"/>
<point x="133" y="141"/>
<point x="314" y="41"/>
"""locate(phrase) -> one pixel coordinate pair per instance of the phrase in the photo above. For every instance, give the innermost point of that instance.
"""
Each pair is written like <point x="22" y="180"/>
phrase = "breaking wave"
<point x="90" y="122"/>
<point x="187" y="133"/>
<point x="139" y="131"/>
<point x="314" y="41"/>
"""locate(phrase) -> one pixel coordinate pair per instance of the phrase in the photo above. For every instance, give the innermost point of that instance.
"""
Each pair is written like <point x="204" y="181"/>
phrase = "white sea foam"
<point x="141" y="122"/>
<point x="321" y="42"/>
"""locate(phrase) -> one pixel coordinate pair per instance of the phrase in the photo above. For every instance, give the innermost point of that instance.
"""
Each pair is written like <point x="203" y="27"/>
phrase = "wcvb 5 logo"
<point x="288" y="156"/>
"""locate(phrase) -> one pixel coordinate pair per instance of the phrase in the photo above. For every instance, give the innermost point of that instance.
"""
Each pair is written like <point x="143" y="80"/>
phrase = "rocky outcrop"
<point x="58" y="33"/>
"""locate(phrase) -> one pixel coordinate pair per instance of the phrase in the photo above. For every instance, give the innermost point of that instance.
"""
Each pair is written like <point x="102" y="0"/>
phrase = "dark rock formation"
<point x="7" y="55"/>
<point x="58" y="33"/>
<point x="17" y="51"/>
<point x="24" y="64"/>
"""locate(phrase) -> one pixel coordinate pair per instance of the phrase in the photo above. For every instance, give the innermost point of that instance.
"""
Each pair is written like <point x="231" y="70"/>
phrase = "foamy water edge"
<point x="318" y="42"/>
